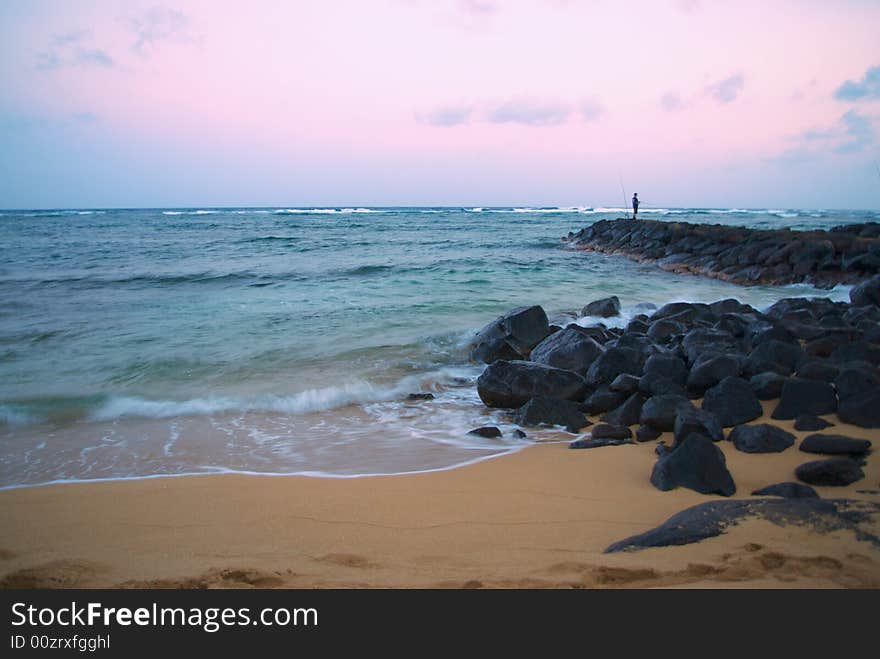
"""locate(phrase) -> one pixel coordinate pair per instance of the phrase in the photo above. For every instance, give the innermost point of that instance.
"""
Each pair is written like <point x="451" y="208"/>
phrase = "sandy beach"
<point x="539" y="518"/>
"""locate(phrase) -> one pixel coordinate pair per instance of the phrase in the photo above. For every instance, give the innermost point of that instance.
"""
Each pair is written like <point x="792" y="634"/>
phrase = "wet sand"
<point x="538" y="518"/>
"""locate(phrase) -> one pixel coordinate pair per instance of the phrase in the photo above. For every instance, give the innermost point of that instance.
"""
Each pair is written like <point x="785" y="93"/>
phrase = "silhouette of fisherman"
<point x="635" y="204"/>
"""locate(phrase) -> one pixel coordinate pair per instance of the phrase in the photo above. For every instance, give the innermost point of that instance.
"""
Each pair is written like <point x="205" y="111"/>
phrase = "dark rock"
<point x="511" y="336"/>
<point x="761" y="438"/>
<point x="708" y="373"/>
<point x="713" y="518"/>
<point x="667" y="366"/>
<point x="647" y="434"/>
<point x="654" y="384"/>
<point x="570" y="349"/>
<point x="489" y="432"/>
<point x="702" y="340"/>
<point x="543" y="410"/>
<point x="855" y="379"/>
<point x="420" y="396"/>
<point x="695" y="463"/>
<point x="659" y="412"/>
<point x="866" y="293"/>
<point x="604" y="400"/>
<point x="661" y="330"/>
<point x="612" y="363"/>
<point x="817" y="369"/>
<point x="805" y="397"/>
<point x="835" y="445"/>
<point x="733" y="402"/>
<point x="690" y="420"/>
<point x="811" y="422"/>
<point x="788" y="490"/>
<point x="857" y="351"/>
<point x="519" y="434"/>
<point x="861" y="409"/>
<point x="514" y="383"/>
<point x="636" y="326"/>
<point x="767" y="385"/>
<point x="606" y="307"/>
<point x="597" y="443"/>
<point x="626" y="383"/>
<point x="608" y="431"/>
<point x="832" y="472"/>
<point x="786" y="355"/>
<point x="628" y="413"/>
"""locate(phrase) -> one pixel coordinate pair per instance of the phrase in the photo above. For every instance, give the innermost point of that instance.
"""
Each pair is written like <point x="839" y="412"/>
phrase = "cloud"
<point x="73" y="49"/>
<point x="592" y="110"/>
<point x="858" y="132"/>
<point x="726" y="91"/>
<point x="671" y="101"/>
<point x="867" y="88"/>
<point x="446" y="116"/>
<point x="158" y="25"/>
<point x="688" y="6"/>
<point x="529" y="113"/>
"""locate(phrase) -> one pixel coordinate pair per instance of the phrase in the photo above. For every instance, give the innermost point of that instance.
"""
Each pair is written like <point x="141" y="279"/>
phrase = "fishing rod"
<point x="623" y="192"/>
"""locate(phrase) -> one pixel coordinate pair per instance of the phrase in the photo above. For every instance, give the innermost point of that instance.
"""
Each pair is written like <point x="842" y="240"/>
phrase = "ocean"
<point x="142" y="343"/>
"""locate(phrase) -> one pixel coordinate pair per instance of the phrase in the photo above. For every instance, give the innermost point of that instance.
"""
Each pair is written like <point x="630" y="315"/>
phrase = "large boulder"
<point x="761" y="438"/>
<point x="604" y="399"/>
<point x="835" y="472"/>
<point x="628" y="413"/>
<point x="660" y="412"/>
<point x="866" y="293"/>
<point x="613" y="362"/>
<point x="610" y="431"/>
<point x="695" y="463"/>
<point x="856" y="378"/>
<point x="787" y="490"/>
<point x="703" y="341"/>
<point x="862" y="409"/>
<point x="668" y="366"/>
<point x="689" y="420"/>
<point x="654" y="384"/>
<point x="605" y="308"/>
<point x="805" y="397"/>
<point x="570" y="349"/>
<point x="543" y="410"/>
<point x="767" y="385"/>
<point x="511" y="336"/>
<point x="733" y="402"/>
<point x="785" y="354"/>
<point x="513" y="383"/>
<point x="709" y="372"/>
<point x="811" y="422"/>
<point x="835" y="445"/>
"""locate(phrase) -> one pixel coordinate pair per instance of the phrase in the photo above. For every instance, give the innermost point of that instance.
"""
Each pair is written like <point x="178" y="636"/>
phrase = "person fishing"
<point x="635" y="204"/>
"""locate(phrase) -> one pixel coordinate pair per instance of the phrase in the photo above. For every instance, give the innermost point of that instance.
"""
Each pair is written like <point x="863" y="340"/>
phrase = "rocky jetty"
<point x="696" y="373"/>
<point x="847" y="254"/>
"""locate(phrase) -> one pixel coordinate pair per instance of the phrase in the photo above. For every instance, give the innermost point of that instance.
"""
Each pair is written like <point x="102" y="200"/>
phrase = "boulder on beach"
<point x="855" y="378"/>
<point x="605" y="308"/>
<point x="660" y="412"/>
<point x="811" y="422"/>
<point x="511" y="336"/>
<point x="695" y="463"/>
<point x="787" y="490"/>
<point x="543" y="410"/>
<point x="690" y="420"/>
<point x="709" y="372"/>
<point x="805" y="397"/>
<point x="571" y="349"/>
<point x="861" y="409"/>
<point x="610" y="431"/>
<point x="597" y="442"/>
<point x="828" y="444"/>
<point x="513" y="383"/>
<point x="489" y="432"/>
<point x="866" y="293"/>
<point x="733" y="402"/>
<point x="647" y="434"/>
<point x="611" y="363"/>
<point x="834" y="472"/>
<point x="761" y="438"/>
<point x="627" y="413"/>
<point x="713" y="518"/>
<point x="767" y="385"/>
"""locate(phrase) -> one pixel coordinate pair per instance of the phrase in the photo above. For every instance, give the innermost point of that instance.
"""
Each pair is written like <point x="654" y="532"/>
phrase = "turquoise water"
<point x="149" y="342"/>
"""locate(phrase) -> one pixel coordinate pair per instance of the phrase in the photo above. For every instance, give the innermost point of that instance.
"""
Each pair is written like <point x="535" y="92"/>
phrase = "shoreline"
<point x="538" y="518"/>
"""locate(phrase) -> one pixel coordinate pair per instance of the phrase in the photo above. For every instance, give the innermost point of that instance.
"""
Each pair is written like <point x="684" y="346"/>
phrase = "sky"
<point x="197" y="103"/>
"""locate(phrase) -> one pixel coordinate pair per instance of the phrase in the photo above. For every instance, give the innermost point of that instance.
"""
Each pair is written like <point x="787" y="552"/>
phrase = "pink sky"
<point x="382" y="102"/>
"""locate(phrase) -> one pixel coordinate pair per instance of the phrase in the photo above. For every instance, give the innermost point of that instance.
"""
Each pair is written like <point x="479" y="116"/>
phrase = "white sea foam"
<point x="324" y="211"/>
